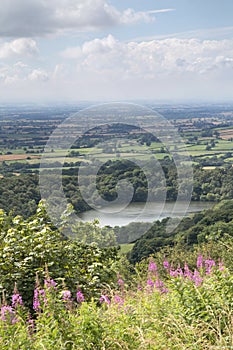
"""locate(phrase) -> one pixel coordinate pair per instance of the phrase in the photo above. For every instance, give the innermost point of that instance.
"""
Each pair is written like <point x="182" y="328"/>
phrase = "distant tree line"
<point x="21" y="194"/>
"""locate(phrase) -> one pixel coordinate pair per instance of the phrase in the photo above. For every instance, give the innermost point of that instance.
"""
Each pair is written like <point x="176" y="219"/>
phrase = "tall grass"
<point x="186" y="309"/>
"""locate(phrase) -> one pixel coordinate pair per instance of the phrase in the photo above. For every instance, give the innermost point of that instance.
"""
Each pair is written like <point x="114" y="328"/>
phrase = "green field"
<point x="196" y="144"/>
<point x="125" y="248"/>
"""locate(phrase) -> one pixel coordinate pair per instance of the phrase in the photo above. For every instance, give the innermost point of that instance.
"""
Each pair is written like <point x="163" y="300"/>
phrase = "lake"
<point x="137" y="212"/>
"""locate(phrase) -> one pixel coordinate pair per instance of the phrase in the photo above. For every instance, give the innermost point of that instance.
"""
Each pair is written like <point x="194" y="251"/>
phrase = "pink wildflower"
<point x="49" y="283"/>
<point x="66" y="295"/>
<point x="187" y="272"/>
<point x="221" y="266"/>
<point x="166" y="264"/>
<point x="200" y="262"/>
<point x="176" y="273"/>
<point x="118" y="300"/>
<point x="8" y="313"/>
<point x="208" y="265"/>
<point x="120" y="282"/>
<point x="38" y="293"/>
<point x="36" y="300"/>
<point x="197" y="278"/>
<point x="152" y="266"/>
<point x="104" y="299"/>
<point x="80" y="297"/>
<point x="150" y="283"/>
<point x="160" y="286"/>
<point x="16" y="300"/>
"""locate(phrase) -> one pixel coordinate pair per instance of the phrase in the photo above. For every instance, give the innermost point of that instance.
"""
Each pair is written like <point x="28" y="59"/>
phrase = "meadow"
<point x="183" y="309"/>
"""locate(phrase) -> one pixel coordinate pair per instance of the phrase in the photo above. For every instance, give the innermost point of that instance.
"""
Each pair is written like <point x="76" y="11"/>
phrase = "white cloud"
<point x="216" y="33"/>
<point x="38" y="17"/>
<point x="59" y="71"/>
<point x="20" y="65"/>
<point x="11" y="80"/>
<point x="152" y="58"/>
<point x="38" y="75"/>
<point x="130" y="16"/>
<point x="96" y="46"/>
<point x="20" y="72"/>
<point x="10" y="74"/>
<point x="170" y="68"/>
<point x="19" y="47"/>
<point x="3" y="73"/>
<point x="111" y="69"/>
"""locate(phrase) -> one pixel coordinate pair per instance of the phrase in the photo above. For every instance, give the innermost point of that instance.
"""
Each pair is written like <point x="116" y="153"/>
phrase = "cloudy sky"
<point x="72" y="50"/>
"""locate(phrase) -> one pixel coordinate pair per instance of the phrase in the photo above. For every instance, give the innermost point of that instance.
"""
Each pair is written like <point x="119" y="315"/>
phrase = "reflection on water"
<point x="137" y="212"/>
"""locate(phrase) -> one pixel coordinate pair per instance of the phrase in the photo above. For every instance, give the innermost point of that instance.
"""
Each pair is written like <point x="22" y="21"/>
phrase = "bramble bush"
<point x="186" y="309"/>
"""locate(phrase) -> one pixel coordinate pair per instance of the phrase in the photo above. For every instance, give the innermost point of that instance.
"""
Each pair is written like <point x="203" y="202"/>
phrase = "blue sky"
<point x="187" y="16"/>
<point x="71" y="50"/>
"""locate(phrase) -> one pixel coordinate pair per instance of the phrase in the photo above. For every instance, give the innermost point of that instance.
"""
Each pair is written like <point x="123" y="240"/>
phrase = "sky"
<point x="114" y="50"/>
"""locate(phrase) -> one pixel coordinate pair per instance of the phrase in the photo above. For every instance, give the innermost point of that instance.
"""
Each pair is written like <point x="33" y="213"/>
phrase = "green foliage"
<point x="173" y="313"/>
<point x="213" y="225"/>
<point x="130" y="232"/>
<point x="27" y="246"/>
<point x="86" y="232"/>
<point x="19" y="194"/>
<point x="151" y="242"/>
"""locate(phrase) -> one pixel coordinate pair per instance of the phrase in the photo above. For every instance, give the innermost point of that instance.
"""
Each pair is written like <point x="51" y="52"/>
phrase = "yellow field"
<point x="10" y="157"/>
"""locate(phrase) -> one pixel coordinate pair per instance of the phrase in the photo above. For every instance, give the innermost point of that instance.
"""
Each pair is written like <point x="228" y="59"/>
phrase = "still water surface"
<point x="137" y="212"/>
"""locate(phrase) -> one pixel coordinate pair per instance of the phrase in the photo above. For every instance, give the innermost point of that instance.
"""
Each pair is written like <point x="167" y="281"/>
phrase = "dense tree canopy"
<point x="209" y="225"/>
<point x="21" y="194"/>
